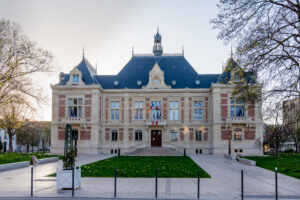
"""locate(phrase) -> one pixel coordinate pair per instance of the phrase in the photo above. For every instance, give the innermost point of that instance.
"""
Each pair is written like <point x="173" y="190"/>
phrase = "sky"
<point x="108" y="29"/>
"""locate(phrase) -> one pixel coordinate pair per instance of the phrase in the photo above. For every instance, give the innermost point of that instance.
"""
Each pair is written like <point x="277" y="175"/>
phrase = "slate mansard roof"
<point x="178" y="73"/>
<point x="137" y="69"/>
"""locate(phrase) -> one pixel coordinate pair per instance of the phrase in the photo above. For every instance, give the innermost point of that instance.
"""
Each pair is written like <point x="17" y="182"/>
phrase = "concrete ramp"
<point x="155" y="151"/>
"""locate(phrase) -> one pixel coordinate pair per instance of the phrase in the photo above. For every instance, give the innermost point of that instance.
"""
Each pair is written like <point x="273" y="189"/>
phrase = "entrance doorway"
<point x="156" y="138"/>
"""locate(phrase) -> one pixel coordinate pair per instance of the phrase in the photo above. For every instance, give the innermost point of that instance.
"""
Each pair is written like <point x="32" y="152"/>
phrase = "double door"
<point x="156" y="138"/>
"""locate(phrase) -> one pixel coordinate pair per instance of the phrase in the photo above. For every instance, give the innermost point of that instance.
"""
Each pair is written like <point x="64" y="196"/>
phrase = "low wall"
<point x="48" y="160"/>
<point x="16" y="165"/>
<point x="232" y="157"/>
<point x="247" y="162"/>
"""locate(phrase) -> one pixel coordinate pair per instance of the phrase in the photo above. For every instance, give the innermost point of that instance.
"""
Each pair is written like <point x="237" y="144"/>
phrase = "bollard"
<point x="198" y="188"/>
<point x="276" y="184"/>
<point x="156" y="183"/>
<point x="242" y="184"/>
<point x="31" y="188"/>
<point x="115" y="190"/>
<point x="72" y="181"/>
<point x="184" y="152"/>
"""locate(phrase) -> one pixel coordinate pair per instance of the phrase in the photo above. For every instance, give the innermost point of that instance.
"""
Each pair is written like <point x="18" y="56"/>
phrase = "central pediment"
<point x="156" y="79"/>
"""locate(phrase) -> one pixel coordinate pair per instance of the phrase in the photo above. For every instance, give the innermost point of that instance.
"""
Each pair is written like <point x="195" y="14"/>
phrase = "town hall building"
<point x="156" y="100"/>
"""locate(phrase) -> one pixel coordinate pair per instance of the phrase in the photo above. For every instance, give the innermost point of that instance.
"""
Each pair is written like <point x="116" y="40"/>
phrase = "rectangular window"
<point x="114" y="135"/>
<point x="75" y="107"/>
<point x="138" y="135"/>
<point x="198" y="135"/>
<point x="114" y="110"/>
<point x="138" y="110"/>
<point x="237" y="108"/>
<point x="173" y="110"/>
<point x="173" y="135"/>
<point x="75" y="78"/>
<point x="156" y="113"/>
<point x="198" y="110"/>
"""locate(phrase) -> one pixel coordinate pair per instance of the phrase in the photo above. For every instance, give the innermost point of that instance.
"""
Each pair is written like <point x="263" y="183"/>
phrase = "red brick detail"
<point x="224" y="101"/>
<point x="61" y="96"/>
<point x="165" y="108"/>
<point x="225" y="134"/>
<point x="147" y="108"/>
<point x="62" y="102"/>
<point x="249" y="135"/>
<point x="252" y="127"/>
<point x="181" y="135"/>
<point x="182" y="110"/>
<point x="223" y="127"/>
<point x="88" y="102"/>
<point x="107" y="132"/>
<point x="122" y="110"/>
<point x="190" y="109"/>
<point x="121" y="134"/>
<point x="130" y="110"/>
<point x="251" y="110"/>
<point x="61" y="111"/>
<point x="224" y="95"/>
<point x="206" y="111"/>
<point x="224" y="111"/>
<point x="205" y="136"/>
<point x="206" y="98"/>
<point x="106" y="109"/>
<point x="61" y="135"/>
<point x="85" y="135"/>
<point x="87" y="96"/>
<point x="87" y="111"/>
<point x="205" y="129"/>
<point x="130" y="134"/>
<point x="191" y="131"/>
<point x="88" y="127"/>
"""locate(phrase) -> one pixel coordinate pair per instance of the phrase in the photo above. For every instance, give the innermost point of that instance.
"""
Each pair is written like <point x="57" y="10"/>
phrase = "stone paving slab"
<point x="224" y="184"/>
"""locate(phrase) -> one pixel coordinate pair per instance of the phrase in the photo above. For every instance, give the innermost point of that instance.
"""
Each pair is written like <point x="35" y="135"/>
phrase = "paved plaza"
<point x="224" y="184"/>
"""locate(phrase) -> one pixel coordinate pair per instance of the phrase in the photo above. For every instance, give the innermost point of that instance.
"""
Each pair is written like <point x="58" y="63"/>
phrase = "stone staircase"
<point x="155" y="151"/>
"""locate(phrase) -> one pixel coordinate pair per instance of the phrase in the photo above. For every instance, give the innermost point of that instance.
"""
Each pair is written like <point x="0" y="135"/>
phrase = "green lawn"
<point x="288" y="164"/>
<point x="144" y="166"/>
<point x="6" y="158"/>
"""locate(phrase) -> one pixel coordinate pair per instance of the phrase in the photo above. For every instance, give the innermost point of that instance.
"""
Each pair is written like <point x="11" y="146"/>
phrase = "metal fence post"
<point x="73" y="181"/>
<point x="184" y="152"/>
<point x="156" y="174"/>
<point x="276" y="184"/>
<point x="242" y="184"/>
<point x="31" y="185"/>
<point x="119" y="151"/>
<point x="115" y="190"/>
<point x="198" y="188"/>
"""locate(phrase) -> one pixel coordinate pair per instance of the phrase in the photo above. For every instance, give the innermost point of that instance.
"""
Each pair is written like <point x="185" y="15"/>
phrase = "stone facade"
<point x="108" y="118"/>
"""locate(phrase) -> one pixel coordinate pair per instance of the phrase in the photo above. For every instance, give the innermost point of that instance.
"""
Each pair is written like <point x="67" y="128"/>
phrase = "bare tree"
<point x="266" y="34"/>
<point x="27" y="135"/>
<point x="19" y="58"/>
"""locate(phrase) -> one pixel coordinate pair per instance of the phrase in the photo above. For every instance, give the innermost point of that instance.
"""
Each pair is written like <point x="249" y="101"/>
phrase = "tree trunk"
<point x="296" y="145"/>
<point x="10" y="147"/>
<point x="27" y="148"/>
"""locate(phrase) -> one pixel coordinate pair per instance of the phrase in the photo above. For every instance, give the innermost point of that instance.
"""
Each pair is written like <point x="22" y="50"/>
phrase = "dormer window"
<point x="237" y="78"/>
<point x="75" y="78"/>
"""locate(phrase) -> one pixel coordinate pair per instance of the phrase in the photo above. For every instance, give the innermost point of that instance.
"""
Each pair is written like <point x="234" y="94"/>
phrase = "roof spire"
<point x="83" y="53"/>
<point x="132" y="50"/>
